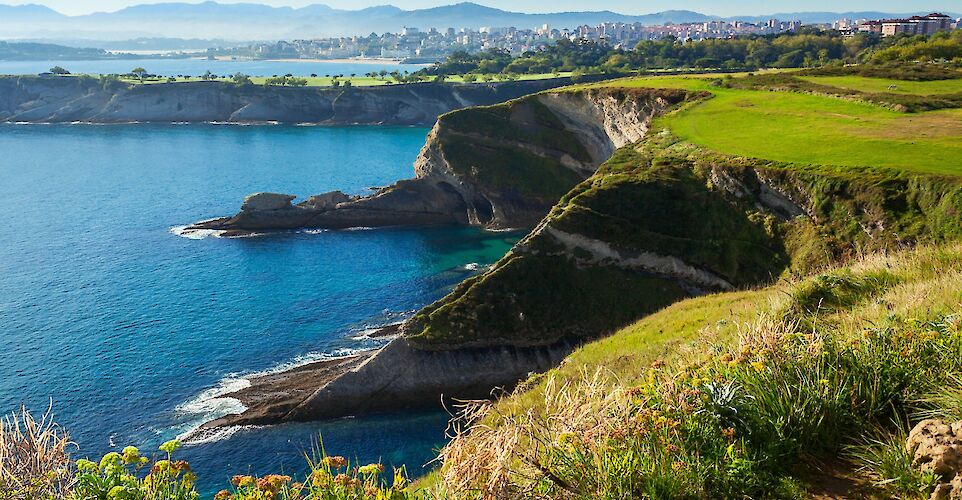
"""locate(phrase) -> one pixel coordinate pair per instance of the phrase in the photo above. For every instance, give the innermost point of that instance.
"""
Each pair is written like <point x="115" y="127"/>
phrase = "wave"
<point x="209" y="405"/>
<point x="195" y="234"/>
<point x="215" y="402"/>
<point x="205" y="436"/>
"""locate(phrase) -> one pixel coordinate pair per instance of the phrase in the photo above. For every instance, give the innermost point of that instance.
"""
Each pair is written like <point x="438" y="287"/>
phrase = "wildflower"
<point x="121" y="493"/>
<point x="320" y="477"/>
<point x="729" y="433"/>
<point x="678" y="465"/>
<point x="222" y="495"/>
<point x="181" y="466"/>
<point x="243" y="481"/>
<point x="160" y="467"/>
<point x="111" y="459"/>
<point x="170" y="446"/>
<point x="658" y="363"/>
<point x="276" y="481"/>
<point x="342" y="480"/>
<point x="84" y="465"/>
<point x="334" y="462"/>
<point x="824" y="381"/>
<point x="671" y="448"/>
<point x="567" y="438"/>
<point x="131" y="455"/>
<point x="759" y="365"/>
<point x="371" y="469"/>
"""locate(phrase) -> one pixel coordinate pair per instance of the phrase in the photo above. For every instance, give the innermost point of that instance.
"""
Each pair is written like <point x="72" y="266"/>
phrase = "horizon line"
<point x="249" y="2"/>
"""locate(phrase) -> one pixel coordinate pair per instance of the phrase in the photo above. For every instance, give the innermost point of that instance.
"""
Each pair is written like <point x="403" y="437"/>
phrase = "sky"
<point x="712" y="7"/>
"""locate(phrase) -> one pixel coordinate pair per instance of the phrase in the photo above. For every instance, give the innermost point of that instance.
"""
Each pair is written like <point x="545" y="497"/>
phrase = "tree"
<point x="57" y="70"/>
<point x="139" y="73"/>
<point x="241" y="79"/>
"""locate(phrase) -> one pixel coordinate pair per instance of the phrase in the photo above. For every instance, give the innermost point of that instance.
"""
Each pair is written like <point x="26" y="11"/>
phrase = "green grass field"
<point x="886" y="85"/>
<point x="817" y="130"/>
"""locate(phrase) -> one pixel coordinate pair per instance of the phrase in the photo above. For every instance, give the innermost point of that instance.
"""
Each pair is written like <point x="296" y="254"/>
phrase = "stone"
<point x="267" y="201"/>
<point x="937" y="447"/>
<point x="327" y="201"/>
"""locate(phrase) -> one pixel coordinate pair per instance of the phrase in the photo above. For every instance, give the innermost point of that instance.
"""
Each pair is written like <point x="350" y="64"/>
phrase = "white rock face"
<point x="267" y="201"/>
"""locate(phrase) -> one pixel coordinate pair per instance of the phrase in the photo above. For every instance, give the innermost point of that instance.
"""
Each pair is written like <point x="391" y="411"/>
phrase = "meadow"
<point x="812" y="129"/>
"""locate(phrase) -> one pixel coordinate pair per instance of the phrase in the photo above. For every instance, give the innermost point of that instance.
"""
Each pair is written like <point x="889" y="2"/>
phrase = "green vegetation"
<point x="314" y="81"/>
<point x="888" y="85"/>
<point x="36" y="462"/>
<point x="737" y="394"/>
<point x="808" y="48"/>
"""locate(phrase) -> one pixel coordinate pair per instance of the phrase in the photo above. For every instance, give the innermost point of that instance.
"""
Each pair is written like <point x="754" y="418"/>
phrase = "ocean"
<point x="132" y="333"/>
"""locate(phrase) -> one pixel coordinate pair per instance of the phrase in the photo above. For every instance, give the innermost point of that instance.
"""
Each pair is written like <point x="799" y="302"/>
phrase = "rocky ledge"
<point x="496" y="167"/>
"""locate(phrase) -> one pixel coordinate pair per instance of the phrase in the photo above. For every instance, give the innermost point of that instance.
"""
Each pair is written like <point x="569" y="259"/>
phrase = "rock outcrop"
<point x="87" y="99"/>
<point x="500" y="166"/>
<point x="936" y="447"/>
<point x="659" y="221"/>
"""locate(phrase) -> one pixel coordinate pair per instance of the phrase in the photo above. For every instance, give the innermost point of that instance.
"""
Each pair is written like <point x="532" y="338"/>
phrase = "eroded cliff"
<point x="86" y="99"/>
<point x="501" y="166"/>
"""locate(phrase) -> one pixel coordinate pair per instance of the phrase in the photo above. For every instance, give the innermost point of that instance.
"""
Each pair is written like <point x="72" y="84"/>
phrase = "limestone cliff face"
<point x="501" y="166"/>
<point x="659" y="221"/>
<point x="86" y="99"/>
<point x="663" y="220"/>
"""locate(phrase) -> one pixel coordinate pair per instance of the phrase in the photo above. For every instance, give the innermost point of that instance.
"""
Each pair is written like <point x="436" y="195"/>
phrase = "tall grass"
<point x="737" y="423"/>
<point x="34" y="457"/>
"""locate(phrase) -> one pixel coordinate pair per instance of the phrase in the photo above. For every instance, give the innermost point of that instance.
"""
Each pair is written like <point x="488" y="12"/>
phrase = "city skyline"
<point x="721" y="9"/>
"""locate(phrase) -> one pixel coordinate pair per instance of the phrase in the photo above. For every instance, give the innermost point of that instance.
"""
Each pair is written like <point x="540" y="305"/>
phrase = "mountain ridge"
<point x="260" y="21"/>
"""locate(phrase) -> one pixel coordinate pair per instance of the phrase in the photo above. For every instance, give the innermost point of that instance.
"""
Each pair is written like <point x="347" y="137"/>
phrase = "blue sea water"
<point x="133" y="332"/>
<point x="196" y="67"/>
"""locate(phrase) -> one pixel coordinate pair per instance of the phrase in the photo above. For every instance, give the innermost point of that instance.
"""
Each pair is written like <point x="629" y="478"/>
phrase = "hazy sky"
<point x="716" y="7"/>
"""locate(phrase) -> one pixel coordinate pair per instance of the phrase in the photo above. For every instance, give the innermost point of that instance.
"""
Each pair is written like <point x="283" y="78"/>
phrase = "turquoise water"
<point x="133" y="331"/>
<point x="196" y="67"/>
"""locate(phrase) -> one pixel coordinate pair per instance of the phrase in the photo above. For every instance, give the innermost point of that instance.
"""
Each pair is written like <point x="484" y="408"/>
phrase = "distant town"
<point x="414" y="44"/>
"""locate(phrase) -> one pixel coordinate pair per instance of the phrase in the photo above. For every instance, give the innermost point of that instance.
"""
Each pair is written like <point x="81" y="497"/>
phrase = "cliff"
<point x="86" y="99"/>
<point x="501" y="166"/>
<point x="659" y="221"/>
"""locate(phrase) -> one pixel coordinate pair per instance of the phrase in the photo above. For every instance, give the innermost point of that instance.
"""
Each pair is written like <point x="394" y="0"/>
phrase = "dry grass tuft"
<point x="34" y="457"/>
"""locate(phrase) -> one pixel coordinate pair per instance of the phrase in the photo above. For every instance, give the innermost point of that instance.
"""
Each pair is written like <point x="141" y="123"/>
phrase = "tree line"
<point x="808" y="47"/>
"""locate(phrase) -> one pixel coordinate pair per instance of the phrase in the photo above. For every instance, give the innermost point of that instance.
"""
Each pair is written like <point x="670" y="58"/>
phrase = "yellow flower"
<point x="222" y="495"/>
<point x="243" y="481"/>
<point x="824" y="381"/>
<point x="759" y="365"/>
<point x="567" y="438"/>
<point x="371" y="469"/>
<point x="87" y="466"/>
<point x="335" y="462"/>
<point x="170" y="446"/>
<point x="131" y="455"/>
<point x="111" y="459"/>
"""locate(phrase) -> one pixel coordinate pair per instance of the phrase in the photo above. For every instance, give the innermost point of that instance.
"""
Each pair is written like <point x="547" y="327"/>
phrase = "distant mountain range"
<point x="249" y="21"/>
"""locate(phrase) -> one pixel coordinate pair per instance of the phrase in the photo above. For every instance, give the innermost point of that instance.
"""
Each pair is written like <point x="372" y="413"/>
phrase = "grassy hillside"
<point x="806" y="385"/>
<point x="801" y="388"/>
<point x="812" y="126"/>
